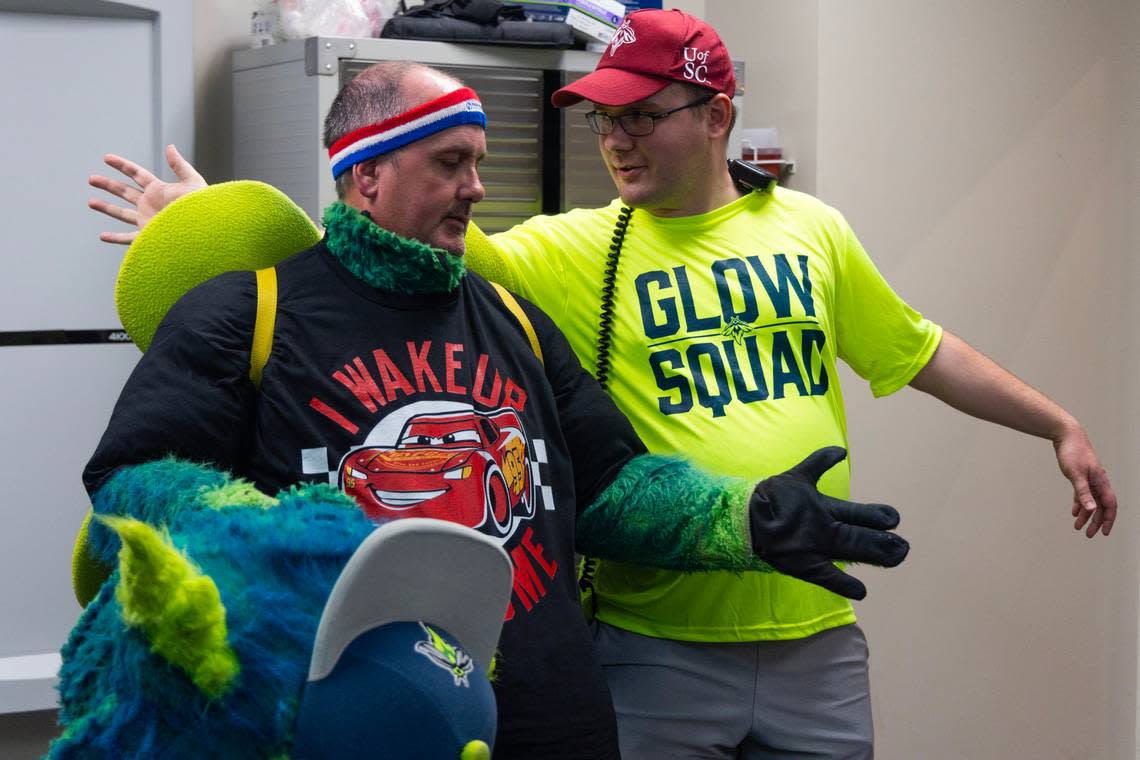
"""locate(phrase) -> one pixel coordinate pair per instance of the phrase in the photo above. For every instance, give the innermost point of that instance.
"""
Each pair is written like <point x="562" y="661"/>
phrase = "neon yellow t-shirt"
<point x="727" y="326"/>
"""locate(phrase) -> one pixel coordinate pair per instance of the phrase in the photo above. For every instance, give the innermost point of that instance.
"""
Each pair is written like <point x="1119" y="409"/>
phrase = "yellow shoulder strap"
<point x="263" y="323"/>
<point x="512" y="303"/>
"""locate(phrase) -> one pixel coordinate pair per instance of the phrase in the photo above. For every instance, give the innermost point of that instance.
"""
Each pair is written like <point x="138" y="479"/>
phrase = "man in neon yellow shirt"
<point x="728" y="313"/>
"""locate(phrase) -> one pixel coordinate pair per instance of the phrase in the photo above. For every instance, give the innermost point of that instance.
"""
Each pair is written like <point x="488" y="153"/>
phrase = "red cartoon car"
<point x="468" y="467"/>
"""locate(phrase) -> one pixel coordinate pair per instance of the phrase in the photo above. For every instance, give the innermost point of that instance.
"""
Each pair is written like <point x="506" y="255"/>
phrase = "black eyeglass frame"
<point x="593" y="117"/>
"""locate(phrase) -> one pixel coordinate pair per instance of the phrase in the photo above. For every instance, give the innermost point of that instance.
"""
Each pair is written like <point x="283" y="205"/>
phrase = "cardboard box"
<point x="589" y="27"/>
<point x="591" y="20"/>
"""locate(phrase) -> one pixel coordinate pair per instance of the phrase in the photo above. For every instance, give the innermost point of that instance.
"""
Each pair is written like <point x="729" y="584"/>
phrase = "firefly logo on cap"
<point x="623" y="35"/>
<point x="444" y="655"/>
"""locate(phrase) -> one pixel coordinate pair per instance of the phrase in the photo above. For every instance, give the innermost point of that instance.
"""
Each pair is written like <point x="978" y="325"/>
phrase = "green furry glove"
<point x="664" y="512"/>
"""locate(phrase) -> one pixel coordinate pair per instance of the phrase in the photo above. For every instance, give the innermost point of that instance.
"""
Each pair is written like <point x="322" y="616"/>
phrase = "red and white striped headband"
<point x="461" y="106"/>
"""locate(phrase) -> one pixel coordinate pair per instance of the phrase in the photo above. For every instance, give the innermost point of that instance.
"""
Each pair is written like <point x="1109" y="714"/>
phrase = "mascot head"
<point x="240" y="625"/>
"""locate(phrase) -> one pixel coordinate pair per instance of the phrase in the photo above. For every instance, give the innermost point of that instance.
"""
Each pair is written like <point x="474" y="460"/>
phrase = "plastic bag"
<point x="378" y="13"/>
<point x="328" y="18"/>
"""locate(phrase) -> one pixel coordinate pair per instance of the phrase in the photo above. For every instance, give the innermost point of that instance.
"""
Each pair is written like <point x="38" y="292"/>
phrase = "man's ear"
<point x="720" y="115"/>
<point x="365" y="177"/>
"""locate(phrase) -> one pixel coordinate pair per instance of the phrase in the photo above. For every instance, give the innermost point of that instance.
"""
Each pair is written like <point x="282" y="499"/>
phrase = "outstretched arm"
<point x="145" y="195"/>
<point x="969" y="381"/>
<point x="663" y="512"/>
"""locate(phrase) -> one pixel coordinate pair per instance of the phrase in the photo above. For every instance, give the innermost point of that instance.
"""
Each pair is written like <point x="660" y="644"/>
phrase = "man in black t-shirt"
<point x="421" y="389"/>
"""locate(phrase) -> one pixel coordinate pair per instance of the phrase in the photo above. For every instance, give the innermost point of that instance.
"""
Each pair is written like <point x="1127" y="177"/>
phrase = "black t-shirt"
<point x="426" y="405"/>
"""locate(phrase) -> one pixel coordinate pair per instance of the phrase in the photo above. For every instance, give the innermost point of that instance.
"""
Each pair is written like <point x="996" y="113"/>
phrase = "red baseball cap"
<point x="649" y="50"/>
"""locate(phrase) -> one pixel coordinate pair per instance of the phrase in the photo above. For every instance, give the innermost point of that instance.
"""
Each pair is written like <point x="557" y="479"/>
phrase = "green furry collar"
<point x="385" y="260"/>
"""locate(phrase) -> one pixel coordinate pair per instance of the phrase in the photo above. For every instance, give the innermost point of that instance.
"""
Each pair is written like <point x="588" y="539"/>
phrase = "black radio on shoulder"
<point x="748" y="177"/>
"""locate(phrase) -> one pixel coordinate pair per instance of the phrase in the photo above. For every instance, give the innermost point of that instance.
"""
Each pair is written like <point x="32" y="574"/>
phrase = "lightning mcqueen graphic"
<point x="468" y="467"/>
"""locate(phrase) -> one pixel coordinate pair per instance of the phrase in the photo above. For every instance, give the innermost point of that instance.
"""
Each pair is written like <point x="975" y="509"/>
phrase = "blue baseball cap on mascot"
<point x="400" y="661"/>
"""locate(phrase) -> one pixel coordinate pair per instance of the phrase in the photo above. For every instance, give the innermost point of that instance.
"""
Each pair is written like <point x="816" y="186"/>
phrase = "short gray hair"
<point x="374" y="95"/>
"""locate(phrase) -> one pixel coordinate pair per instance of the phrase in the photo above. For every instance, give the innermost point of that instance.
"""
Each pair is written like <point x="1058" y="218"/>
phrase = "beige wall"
<point x="779" y="44"/>
<point x="978" y="150"/>
<point x="696" y="8"/>
<point x="1128" y="153"/>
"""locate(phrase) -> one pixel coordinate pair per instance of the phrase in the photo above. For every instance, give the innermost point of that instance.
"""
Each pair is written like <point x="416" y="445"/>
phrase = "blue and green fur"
<point x="663" y="512"/>
<point x="198" y="644"/>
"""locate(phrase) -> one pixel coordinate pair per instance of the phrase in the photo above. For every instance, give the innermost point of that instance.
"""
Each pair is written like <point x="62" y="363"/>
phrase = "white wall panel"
<point x="76" y="87"/>
<point x="80" y="78"/>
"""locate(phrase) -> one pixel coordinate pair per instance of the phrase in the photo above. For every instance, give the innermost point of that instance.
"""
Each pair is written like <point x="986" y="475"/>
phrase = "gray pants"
<point x="804" y="698"/>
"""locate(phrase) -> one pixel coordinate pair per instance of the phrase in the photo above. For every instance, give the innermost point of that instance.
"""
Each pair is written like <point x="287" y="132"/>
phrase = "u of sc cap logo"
<point x="623" y="35"/>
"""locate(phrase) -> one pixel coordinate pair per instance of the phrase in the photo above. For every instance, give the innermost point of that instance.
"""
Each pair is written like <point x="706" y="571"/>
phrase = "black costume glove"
<point x="800" y="531"/>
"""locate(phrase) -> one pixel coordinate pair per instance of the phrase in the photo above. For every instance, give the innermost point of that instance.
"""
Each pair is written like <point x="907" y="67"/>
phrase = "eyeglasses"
<point x="635" y="123"/>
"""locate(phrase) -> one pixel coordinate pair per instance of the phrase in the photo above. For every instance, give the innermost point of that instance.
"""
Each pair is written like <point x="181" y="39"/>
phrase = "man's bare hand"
<point x="1094" y="501"/>
<point x="146" y="196"/>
